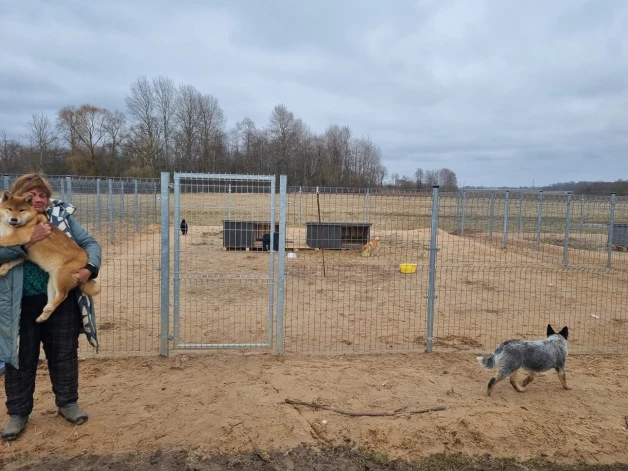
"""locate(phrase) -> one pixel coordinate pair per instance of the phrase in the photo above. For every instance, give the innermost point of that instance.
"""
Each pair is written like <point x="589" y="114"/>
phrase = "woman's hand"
<point x="40" y="232"/>
<point x="82" y="275"/>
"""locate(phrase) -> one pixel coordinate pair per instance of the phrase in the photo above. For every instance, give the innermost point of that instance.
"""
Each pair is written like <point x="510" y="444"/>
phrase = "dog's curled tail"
<point x="488" y="363"/>
<point x="91" y="288"/>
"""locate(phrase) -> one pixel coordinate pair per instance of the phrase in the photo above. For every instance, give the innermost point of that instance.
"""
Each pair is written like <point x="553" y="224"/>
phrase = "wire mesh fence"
<point x="357" y="270"/>
<point x="506" y="265"/>
<point x="556" y="228"/>
<point x="223" y="265"/>
<point x="344" y="290"/>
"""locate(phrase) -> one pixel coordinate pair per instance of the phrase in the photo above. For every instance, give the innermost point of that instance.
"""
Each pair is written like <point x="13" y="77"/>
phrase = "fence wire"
<point x="506" y="264"/>
<point x="223" y="265"/>
<point x="341" y="297"/>
<point x="480" y="306"/>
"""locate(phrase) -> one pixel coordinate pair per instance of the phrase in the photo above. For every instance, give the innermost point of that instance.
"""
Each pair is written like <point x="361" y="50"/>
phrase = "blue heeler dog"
<point x="535" y="356"/>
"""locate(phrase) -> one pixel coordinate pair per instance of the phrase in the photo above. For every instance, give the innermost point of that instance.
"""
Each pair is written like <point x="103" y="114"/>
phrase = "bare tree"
<point x="250" y="146"/>
<point x="337" y="152"/>
<point x="114" y="126"/>
<point x="447" y="179"/>
<point x="281" y="128"/>
<point x="141" y="105"/>
<point x="177" y="127"/>
<point x="188" y="126"/>
<point x="43" y="138"/>
<point x="165" y="104"/>
<point x="418" y="177"/>
<point x="84" y="131"/>
<point x="11" y="155"/>
<point x="212" y="122"/>
<point x="431" y="177"/>
<point x="383" y="174"/>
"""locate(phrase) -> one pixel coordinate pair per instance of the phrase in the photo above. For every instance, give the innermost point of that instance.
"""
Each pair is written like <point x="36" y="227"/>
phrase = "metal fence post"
<point x="176" y="270"/>
<point x="229" y="203"/>
<point x="62" y="189"/>
<point x="300" y="203"/>
<point x="98" y="206"/>
<point x="68" y="182"/>
<point x="464" y="211"/>
<point x="164" y="267"/>
<point x="367" y="204"/>
<point x="539" y="221"/>
<point x="112" y="227"/>
<point x="567" y="224"/>
<point x="581" y="212"/>
<point x="520" y="212"/>
<point x="271" y="250"/>
<point x="457" y="231"/>
<point x="431" y="295"/>
<point x="490" y="217"/>
<point x="7" y="182"/>
<point x="610" y="231"/>
<point x="155" y="202"/>
<point x="136" y="204"/>
<point x="506" y="208"/>
<point x="281" y="272"/>
<point x="122" y="199"/>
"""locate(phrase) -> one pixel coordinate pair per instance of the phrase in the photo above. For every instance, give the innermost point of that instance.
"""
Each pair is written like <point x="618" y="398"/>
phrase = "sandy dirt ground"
<point x="234" y="402"/>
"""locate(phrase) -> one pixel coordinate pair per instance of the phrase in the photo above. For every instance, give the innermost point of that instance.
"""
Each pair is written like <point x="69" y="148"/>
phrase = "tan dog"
<point x="57" y="254"/>
<point x="371" y="247"/>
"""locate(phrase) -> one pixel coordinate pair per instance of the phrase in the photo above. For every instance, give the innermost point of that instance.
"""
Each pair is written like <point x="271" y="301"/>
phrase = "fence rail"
<point x="490" y="265"/>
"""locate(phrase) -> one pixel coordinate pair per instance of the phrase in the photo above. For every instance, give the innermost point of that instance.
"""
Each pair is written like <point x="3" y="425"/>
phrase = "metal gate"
<point x="226" y="241"/>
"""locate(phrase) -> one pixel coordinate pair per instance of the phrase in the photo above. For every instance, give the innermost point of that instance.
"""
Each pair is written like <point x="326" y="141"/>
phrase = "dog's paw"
<point x="43" y="317"/>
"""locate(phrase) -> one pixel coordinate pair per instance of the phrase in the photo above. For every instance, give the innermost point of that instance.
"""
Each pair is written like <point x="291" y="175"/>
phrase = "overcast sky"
<point x="500" y="91"/>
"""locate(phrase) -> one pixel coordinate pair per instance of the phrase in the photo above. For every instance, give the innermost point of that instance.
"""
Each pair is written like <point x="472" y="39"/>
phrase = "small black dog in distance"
<point x="184" y="227"/>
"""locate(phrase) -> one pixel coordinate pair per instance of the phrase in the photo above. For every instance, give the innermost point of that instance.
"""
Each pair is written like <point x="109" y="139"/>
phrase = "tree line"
<point x="169" y="127"/>
<point x="619" y="187"/>
<point x="426" y="179"/>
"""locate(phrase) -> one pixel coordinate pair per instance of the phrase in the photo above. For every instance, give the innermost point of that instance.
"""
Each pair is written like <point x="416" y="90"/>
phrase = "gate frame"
<point x="164" y="267"/>
<point x="271" y="273"/>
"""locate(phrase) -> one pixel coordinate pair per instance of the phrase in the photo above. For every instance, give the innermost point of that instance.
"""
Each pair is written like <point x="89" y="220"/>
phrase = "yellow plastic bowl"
<point x="408" y="267"/>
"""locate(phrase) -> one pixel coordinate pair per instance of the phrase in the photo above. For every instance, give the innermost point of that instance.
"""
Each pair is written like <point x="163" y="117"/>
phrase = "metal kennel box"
<point x="244" y="234"/>
<point x="337" y="235"/>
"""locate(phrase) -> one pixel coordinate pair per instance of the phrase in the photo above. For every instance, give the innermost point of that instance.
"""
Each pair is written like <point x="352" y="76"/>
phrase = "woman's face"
<point x="40" y="199"/>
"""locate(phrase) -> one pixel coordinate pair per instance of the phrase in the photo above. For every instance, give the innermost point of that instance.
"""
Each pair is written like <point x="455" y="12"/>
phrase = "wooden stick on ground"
<point x="314" y="405"/>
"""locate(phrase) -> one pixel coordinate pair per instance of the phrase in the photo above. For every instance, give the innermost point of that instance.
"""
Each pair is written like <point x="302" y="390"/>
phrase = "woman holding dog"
<point x="23" y="295"/>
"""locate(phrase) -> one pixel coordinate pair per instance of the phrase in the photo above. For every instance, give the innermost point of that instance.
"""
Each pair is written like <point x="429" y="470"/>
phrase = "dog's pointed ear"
<point x="564" y="332"/>
<point x="550" y="331"/>
<point x="29" y="199"/>
<point x="6" y="195"/>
